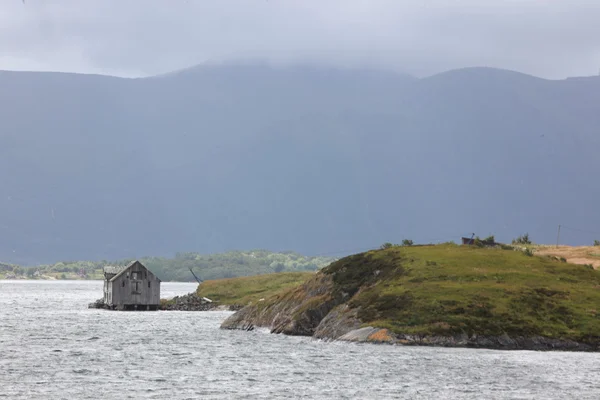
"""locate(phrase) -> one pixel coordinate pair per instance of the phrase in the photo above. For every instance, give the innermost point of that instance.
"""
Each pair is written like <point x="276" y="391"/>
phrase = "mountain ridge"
<point x="108" y="168"/>
<point x="307" y="66"/>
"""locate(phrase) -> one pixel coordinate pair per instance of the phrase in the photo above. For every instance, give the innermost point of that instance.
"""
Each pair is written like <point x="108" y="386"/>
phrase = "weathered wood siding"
<point x="105" y="291"/>
<point x="134" y="286"/>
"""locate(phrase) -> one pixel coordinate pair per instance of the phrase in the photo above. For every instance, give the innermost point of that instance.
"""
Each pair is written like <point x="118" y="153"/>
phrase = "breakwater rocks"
<point x="99" y="304"/>
<point x="188" y="302"/>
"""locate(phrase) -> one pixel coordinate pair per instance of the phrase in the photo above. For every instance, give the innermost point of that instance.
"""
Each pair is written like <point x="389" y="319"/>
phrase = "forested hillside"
<point x="212" y="266"/>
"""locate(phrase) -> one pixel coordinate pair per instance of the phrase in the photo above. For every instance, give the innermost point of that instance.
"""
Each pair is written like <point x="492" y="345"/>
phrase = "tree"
<point x="596" y="242"/>
<point x="523" y="239"/>
<point x="386" y="246"/>
<point x="407" y="242"/>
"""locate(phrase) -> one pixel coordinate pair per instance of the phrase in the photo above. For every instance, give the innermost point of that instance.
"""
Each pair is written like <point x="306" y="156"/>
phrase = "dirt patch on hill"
<point x="573" y="254"/>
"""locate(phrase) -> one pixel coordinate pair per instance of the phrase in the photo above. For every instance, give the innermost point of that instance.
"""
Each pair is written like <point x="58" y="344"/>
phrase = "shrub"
<point x="523" y="239"/>
<point x="562" y="259"/>
<point x="589" y="266"/>
<point x="478" y="242"/>
<point x="596" y="242"/>
<point x="386" y="246"/>
<point x="490" y="239"/>
<point x="528" y="252"/>
<point x="407" y="242"/>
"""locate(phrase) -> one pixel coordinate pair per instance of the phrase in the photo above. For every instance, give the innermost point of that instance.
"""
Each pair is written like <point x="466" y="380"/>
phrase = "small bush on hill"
<point x="407" y="242"/>
<point x="523" y="239"/>
<point x="386" y="246"/>
<point x="478" y="242"/>
<point x="596" y="242"/>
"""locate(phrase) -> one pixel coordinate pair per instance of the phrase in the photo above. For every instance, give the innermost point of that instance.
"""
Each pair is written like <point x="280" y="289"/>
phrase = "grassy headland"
<point x="250" y="289"/>
<point x="441" y="291"/>
<point x="449" y="289"/>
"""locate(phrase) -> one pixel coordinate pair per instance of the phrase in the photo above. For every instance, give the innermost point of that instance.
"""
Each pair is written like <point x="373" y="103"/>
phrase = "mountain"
<point x="316" y="160"/>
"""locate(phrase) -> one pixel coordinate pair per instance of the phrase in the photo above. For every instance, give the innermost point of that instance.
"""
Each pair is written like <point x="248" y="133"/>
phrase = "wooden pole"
<point x="558" y="236"/>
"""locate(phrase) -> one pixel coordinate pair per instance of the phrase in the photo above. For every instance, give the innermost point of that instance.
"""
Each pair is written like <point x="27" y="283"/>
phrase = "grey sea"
<point x="53" y="347"/>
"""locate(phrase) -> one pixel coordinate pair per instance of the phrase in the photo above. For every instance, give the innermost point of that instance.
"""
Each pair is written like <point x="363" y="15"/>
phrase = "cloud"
<point x="143" y="37"/>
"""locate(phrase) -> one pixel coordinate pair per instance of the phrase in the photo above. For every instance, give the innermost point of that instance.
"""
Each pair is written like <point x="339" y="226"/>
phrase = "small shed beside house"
<point x="133" y="287"/>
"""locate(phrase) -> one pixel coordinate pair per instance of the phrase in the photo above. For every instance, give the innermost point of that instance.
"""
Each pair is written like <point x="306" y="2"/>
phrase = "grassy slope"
<point x="449" y="289"/>
<point x="241" y="291"/>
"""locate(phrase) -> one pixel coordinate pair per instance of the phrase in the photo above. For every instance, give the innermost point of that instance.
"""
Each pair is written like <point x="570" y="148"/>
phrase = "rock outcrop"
<point x="298" y="312"/>
<point x="98" y="304"/>
<point x="189" y="302"/>
<point x="375" y="335"/>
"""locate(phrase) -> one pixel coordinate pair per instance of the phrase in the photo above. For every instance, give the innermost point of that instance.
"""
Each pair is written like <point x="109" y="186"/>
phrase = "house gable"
<point x="128" y="269"/>
<point x="131" y="287"/>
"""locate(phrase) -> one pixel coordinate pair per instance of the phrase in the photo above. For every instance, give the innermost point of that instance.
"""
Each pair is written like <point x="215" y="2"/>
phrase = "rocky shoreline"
<point x="188" y="302"/>
<point x="538" y="343"/>
<point x="344" y="326"/>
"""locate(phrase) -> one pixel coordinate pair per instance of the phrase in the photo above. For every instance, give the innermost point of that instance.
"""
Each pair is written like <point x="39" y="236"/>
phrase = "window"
<point x="123" y="282"/>
<point x="148" y="283"/>
<point x="134" y="275"/>
<point x="135" y="288"/>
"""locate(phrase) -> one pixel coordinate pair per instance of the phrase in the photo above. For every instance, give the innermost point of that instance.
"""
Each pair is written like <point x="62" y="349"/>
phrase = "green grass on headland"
<point x="245" y="290"/>
<point x="448" y="289"/>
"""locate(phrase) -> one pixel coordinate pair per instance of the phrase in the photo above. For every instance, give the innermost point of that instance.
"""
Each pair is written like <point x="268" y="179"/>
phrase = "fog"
<point x="551" y="39"/>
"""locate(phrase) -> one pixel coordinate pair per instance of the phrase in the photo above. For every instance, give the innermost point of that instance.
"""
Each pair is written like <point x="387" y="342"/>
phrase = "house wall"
<point x="105" y="292"/>
<point x="135" y="286"/>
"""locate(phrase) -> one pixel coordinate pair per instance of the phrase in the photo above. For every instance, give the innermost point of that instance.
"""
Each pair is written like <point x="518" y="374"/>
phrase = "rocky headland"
<point x="445" y="295"/>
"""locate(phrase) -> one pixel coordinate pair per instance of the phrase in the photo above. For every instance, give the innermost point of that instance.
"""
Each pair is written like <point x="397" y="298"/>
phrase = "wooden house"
<point x="133" y="287"/>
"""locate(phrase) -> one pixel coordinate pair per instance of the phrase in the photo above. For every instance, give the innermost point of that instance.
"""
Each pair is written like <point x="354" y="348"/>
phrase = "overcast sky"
<point x="547" y="38"/>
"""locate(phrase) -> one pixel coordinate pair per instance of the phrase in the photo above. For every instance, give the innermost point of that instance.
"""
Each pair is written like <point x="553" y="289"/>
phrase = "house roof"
<point x="122" y="270"/>
<point x="110" y="269"/>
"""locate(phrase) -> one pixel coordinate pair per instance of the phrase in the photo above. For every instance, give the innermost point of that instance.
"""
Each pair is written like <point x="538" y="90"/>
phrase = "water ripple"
<point x="56" y="348"/>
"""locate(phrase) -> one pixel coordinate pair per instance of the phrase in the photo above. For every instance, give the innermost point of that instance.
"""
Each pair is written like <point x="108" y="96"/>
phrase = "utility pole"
<point x="558" y="236"/>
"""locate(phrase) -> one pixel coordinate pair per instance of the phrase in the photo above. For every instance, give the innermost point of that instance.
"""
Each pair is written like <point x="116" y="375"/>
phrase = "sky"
<point x="548" y="38"/>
